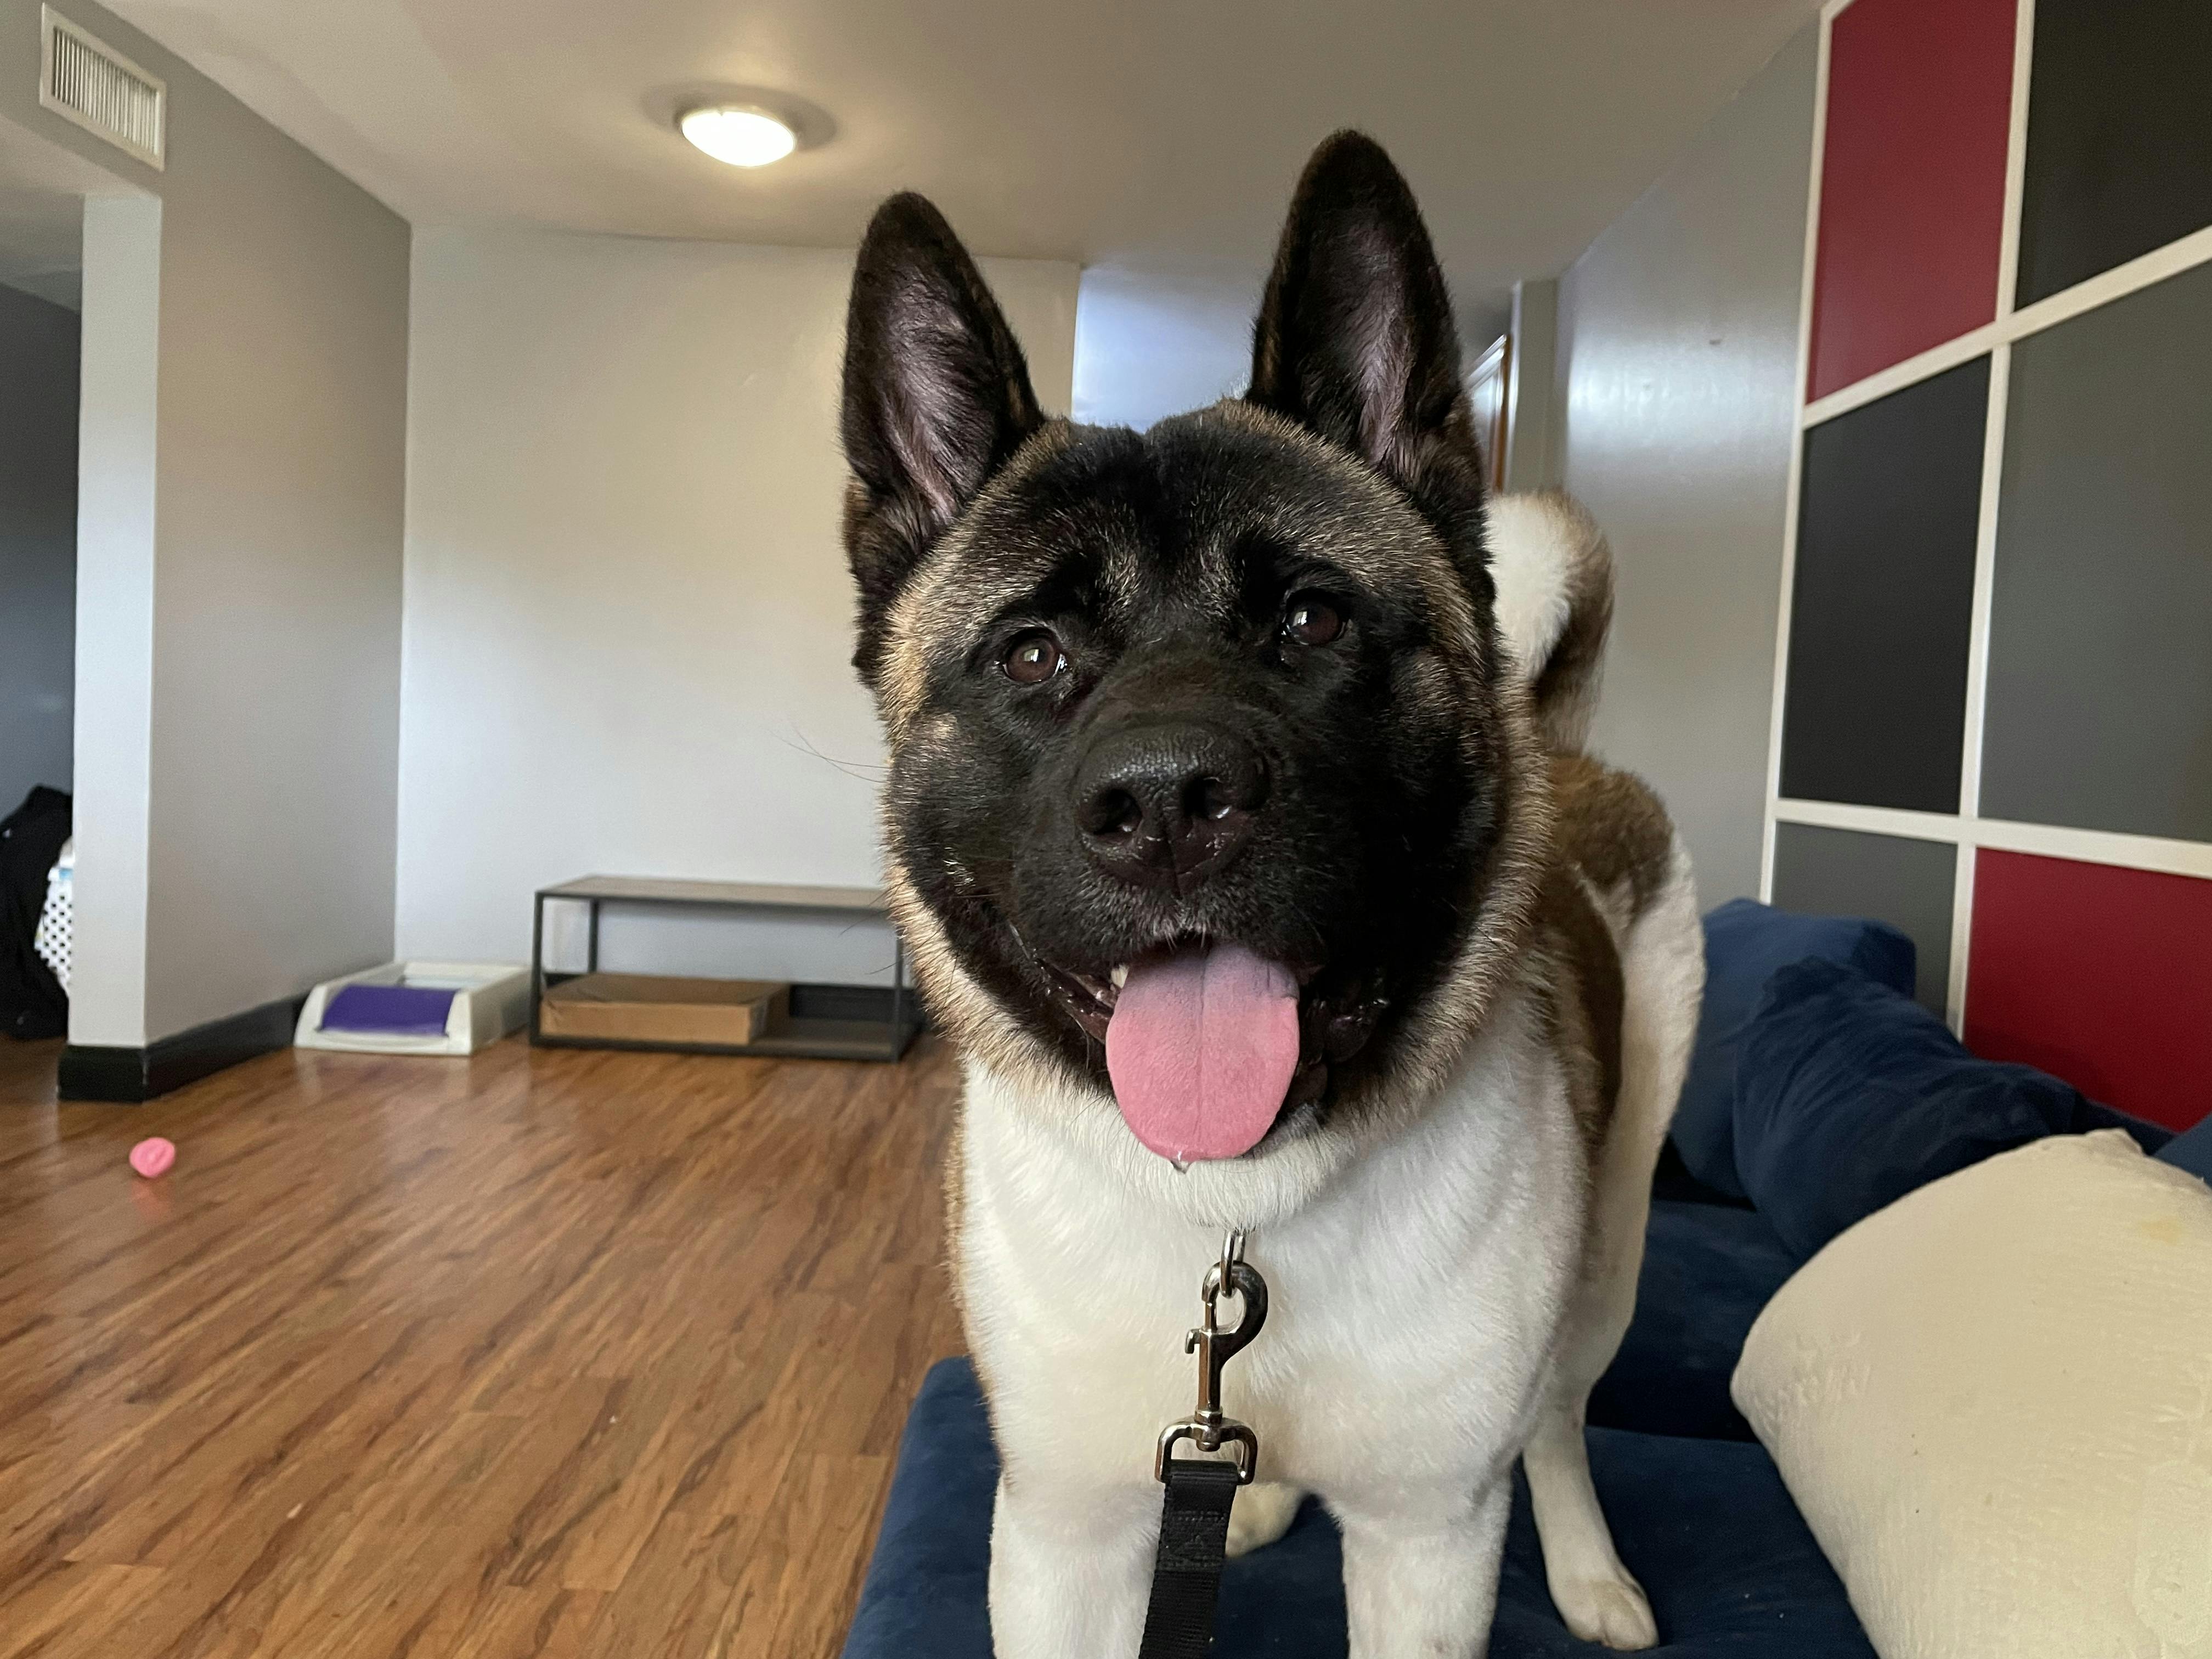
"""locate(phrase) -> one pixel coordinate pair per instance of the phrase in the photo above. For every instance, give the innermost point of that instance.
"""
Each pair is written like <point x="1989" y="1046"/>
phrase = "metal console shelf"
<point x="819" y="1027"/>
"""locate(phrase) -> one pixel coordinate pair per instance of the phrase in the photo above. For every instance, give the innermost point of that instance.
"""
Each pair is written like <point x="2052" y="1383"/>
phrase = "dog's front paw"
<point x="1262" y="1513"/>
<point x="1612" y="1611"/>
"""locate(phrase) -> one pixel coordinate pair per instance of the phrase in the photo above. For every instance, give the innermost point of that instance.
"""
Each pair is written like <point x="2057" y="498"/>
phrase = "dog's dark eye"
<point x="1032" y="658"/>
<point x="1311" y="620"/>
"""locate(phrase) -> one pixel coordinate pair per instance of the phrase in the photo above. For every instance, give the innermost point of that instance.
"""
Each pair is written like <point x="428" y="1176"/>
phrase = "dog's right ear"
<point x="936" y="398"/>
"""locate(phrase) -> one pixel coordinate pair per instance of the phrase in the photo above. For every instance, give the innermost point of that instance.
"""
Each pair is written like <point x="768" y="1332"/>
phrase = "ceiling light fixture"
<point x="741" y="134"/>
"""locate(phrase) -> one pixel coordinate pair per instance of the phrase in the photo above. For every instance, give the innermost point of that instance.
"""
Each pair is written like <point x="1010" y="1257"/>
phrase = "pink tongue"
<point x="1201" y="1047"/>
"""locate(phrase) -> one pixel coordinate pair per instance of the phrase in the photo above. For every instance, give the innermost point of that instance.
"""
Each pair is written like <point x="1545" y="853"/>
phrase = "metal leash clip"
<point x="1209" y="1428"/>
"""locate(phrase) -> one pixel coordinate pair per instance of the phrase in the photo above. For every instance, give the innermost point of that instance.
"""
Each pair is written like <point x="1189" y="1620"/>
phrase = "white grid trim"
<point x="2106" y="286"/>
<point x="2010" y="325"/>
<point x="2153" y="853"/>
<point x="1965" y="829"/>
<point x="1985" y="523"/>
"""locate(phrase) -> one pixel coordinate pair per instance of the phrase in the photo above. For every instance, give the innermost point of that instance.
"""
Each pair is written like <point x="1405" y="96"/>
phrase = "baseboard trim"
<point x="125" y="1076"/>
<point x="97" y="1071"/>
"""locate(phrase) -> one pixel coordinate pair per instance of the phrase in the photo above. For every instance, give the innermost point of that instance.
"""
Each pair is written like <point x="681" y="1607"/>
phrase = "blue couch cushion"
<point x="2191" y="1150"/>
<point x="1850" y="1094"/>
<point x="1745" y="942"/>
<point x="1704" y="1524"/>
<point x="1708" y="1270"/>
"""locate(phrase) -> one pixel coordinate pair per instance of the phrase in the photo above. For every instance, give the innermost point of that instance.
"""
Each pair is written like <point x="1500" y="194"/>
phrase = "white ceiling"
<point x="1137" y="133"/>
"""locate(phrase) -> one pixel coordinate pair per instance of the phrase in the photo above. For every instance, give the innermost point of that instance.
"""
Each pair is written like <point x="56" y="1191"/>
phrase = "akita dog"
<point x="1238" y="821"/>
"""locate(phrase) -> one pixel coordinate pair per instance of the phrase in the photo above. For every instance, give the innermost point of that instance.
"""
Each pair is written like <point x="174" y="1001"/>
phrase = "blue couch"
<point x="1807" y="1020"/>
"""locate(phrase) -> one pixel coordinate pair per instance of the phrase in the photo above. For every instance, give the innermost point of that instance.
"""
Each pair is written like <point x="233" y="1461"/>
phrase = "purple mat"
<point x="388" y="1010"/>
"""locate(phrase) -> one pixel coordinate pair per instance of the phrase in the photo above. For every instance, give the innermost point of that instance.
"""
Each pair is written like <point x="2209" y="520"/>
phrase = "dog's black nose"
<point x="1168" y="804"/>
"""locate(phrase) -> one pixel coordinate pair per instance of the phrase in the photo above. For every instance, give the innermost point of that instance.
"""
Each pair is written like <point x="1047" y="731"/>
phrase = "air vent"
<point x="85" y="81"/>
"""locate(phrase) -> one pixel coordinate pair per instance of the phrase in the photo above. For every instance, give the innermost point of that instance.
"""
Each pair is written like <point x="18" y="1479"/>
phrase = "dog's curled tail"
<point x="1554" y="573"/>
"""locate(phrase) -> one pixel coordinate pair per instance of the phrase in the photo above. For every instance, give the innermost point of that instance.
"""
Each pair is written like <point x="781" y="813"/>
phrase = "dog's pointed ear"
<point x="1355" y="338"/>
<point x="937" y="393"/>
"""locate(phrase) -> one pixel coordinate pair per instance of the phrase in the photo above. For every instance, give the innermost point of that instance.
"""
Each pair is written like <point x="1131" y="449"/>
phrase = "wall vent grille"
<point x="86" y="81"/>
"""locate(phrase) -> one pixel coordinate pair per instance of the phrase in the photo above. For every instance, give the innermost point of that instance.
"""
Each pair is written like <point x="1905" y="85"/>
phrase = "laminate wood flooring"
<point x="555" y="1352"/>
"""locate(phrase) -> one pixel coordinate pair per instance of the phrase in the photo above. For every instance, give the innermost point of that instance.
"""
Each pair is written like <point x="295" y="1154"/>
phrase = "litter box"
<point x="416" y="1008"/>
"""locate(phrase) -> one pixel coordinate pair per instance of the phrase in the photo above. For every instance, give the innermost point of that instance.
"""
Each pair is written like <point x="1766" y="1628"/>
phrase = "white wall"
<point x="1151" y="343"/>
<point x="1532" y="384"/>
<point x="1677" y="354"/>
<point x="117" y="472"/>
<point x="239" y="571"/>
<point x="629" y="624"/>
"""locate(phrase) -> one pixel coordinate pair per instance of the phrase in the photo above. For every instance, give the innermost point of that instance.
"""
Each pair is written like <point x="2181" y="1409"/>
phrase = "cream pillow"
<point x="1993" y="1402"/>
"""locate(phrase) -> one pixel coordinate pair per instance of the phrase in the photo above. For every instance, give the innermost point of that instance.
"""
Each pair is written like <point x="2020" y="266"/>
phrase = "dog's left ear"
<point x="937" y="397"/>
<point x="1355" y="337"/>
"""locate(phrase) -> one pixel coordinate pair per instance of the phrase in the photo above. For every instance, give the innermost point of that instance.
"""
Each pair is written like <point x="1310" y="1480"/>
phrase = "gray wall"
<point x="1677" y="357"/>
<point x="280" y="535"/>
<point x="240" y="564"/>
<point x="38" y="544"/>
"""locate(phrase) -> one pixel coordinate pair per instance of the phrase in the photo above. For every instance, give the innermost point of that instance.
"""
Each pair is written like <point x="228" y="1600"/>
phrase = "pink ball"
<point x="153" y="1157"/>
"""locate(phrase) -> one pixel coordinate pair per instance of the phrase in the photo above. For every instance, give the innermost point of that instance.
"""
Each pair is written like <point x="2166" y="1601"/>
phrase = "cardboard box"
<point x="660" y="1008"/>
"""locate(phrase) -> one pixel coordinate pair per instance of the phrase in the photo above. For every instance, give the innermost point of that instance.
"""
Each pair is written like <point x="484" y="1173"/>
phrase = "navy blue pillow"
<point x="1850" y="1094"/>
<point x="1745" y="942"/>
<point x="2191" y="1150"/>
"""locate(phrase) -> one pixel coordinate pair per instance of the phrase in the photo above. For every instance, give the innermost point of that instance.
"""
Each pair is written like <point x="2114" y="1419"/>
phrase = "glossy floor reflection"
<point x="537" y="1353"/>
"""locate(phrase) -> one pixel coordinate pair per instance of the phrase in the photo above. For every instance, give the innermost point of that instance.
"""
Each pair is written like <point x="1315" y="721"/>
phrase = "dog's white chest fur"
<point x="1412" y="1299"/>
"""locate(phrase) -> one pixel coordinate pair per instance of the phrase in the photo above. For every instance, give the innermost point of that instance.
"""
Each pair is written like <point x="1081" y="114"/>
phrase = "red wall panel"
<point x="2100" y="975"/>
<point x="1912" y="181"/>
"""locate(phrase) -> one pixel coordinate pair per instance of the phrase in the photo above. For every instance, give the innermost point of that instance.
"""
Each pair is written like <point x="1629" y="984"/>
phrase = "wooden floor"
<point x="552" y="1352"/>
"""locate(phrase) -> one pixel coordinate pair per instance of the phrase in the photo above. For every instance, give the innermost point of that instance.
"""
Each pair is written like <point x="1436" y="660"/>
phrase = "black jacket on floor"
<point x="32" y="1001"/>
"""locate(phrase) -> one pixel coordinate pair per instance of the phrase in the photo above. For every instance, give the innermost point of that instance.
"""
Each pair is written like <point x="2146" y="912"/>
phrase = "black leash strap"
<point x="1200" y="1492"/>
<point x="1187" y="1581"/>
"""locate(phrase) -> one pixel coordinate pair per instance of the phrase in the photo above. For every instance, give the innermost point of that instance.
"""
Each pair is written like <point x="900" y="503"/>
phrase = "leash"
<point x="1199" y="1491"/>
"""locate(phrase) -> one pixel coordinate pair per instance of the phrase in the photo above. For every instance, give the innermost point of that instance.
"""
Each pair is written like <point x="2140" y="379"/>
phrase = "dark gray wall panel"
<point x="1906" y="884"/>
<point x="38" y="545"/>
<point x="1881" y="601"/>
<point x="2119" y="135"/>
<point x="2100" y="633"/>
